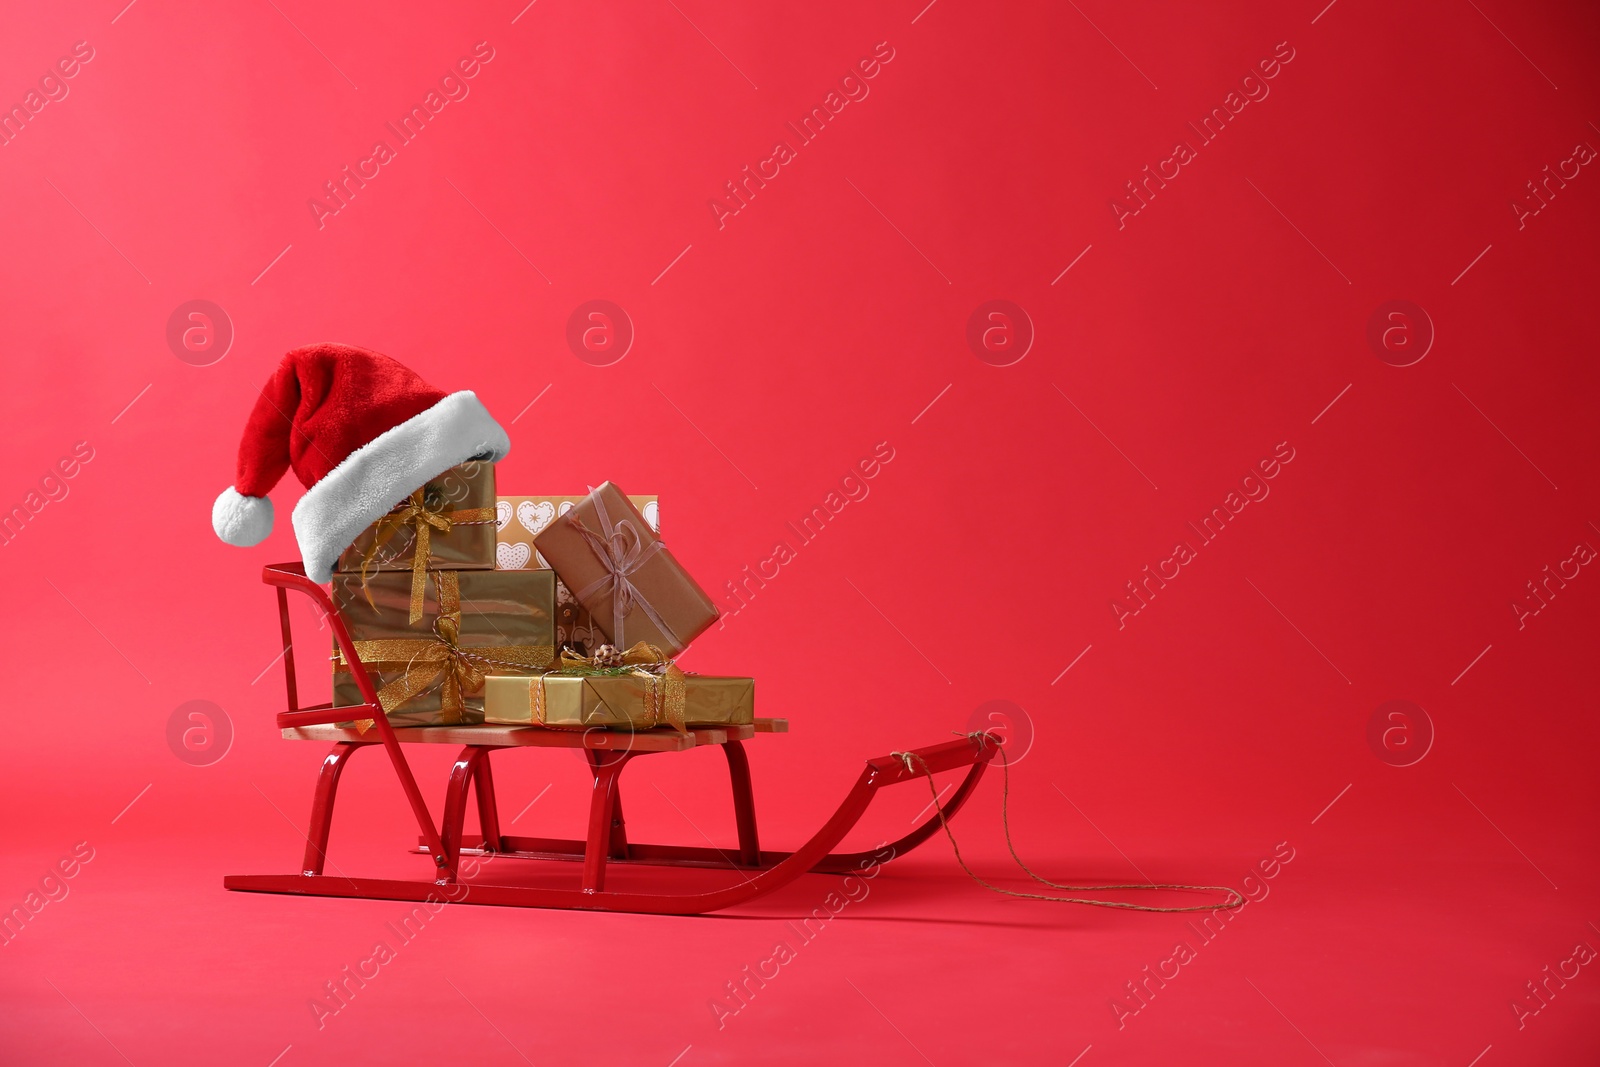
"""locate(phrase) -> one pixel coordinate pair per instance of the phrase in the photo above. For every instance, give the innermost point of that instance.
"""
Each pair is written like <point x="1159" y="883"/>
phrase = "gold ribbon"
<point x="427" y="660"/>
<point x="416" y="513"/>
<point x="666" y="694"/>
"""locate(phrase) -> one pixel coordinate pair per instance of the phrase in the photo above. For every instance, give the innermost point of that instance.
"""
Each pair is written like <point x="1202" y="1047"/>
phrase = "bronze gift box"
<point x="620" y="571"/>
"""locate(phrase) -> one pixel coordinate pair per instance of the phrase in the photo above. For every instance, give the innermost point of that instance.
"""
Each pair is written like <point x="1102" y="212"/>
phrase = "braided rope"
<point x="982" y="737"/>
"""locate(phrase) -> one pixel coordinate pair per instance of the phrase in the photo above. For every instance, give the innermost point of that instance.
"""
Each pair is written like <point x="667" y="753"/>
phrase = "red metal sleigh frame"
<point x="760" y="872"/>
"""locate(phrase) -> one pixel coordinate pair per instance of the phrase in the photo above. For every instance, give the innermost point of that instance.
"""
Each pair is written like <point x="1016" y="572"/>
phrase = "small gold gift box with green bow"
<point x="639" y="689"/>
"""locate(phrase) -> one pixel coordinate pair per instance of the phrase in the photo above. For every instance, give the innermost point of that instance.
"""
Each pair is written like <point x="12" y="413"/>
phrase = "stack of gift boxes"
<point x="558" y="611"/>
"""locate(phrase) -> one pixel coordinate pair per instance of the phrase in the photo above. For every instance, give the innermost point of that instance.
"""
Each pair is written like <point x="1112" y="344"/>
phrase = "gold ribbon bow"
<point x="423" y="518"/>
<point x="427" y="660"/>
<point x="666" y="696"/>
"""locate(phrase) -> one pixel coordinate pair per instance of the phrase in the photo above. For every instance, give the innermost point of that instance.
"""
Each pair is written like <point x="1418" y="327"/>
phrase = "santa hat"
<point x="362" y="433"/>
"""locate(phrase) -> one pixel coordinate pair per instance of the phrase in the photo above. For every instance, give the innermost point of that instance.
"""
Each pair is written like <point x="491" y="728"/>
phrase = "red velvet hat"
<point x="362" y="433"/>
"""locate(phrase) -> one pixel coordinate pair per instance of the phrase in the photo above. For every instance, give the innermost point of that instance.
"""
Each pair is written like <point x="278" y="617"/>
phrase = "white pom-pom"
<point x="241" y="520"/>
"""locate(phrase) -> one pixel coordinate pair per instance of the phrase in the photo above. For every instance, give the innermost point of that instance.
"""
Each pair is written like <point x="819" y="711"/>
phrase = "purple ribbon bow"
<point x="622" y="551"/>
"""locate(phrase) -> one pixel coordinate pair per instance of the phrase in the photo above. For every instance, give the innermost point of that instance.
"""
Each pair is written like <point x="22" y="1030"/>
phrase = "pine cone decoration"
<point x="607" y="656"/>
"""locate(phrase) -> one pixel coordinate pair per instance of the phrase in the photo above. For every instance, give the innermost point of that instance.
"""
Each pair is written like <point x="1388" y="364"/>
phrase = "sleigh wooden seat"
<point x="664" y="739"/>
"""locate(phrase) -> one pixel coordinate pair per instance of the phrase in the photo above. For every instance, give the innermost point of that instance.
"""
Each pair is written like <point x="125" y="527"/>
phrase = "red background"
<point x="770" y="356"/>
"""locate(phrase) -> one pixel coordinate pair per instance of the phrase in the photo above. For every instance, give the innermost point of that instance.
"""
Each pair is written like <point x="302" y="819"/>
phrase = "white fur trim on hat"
<point x="384" y="471"/>
<point x="241" y="520"/>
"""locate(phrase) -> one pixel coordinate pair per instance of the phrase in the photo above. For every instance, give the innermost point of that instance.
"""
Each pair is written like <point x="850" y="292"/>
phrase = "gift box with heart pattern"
<point x="517" y="520"/>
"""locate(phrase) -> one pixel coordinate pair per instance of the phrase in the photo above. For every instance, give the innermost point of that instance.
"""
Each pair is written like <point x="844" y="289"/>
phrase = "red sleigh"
<point x="758" y="871"/>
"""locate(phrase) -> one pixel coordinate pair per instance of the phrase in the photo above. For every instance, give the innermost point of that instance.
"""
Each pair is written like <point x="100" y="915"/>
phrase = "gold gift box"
<point x="624" y="701"/>
<point x="618" y="540"/>
<point x="506" y="624"/>
<point x="518" y="519"/>
<point x="465" y="496"/>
